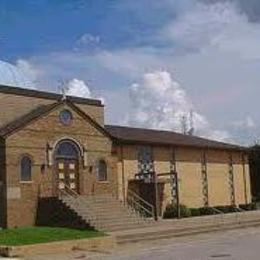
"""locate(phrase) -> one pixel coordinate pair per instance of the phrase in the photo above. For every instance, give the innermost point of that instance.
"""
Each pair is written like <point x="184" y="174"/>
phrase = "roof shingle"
<point x="133" y="135"/>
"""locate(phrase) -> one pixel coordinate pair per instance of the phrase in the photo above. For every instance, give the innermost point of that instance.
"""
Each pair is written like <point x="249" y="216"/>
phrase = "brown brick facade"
<point x="34" y="140"/>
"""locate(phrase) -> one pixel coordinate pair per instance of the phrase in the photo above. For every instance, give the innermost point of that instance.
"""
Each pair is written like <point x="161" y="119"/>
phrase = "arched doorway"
<point x="66" y="157"/>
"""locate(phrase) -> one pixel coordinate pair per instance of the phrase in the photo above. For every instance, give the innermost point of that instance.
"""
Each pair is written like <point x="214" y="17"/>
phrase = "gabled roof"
<point x="24" y="120"/>
<point x="39" y="112"/>
<point x="131" y="135"/>
<point x="47" y="95"/>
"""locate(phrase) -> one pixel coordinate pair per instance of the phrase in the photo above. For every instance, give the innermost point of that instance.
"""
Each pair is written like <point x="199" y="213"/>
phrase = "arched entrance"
<point x="66" y="158"/>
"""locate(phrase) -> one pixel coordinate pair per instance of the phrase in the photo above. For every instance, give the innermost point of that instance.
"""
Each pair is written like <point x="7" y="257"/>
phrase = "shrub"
<point x="250" y="206"/>
<point x="195" y="212"/>
<point x="171" y="211"/>
<point x="226" y="209"/>
<point x="206" y="211"/>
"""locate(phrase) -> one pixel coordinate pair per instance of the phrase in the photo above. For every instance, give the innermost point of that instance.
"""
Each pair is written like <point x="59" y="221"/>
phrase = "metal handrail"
<point x="217" y="210"/>
<point x="133" y="198"/>
<point x="139" y="205"/>
<point x="73" y="192"/>
<point x="132" y="193"/>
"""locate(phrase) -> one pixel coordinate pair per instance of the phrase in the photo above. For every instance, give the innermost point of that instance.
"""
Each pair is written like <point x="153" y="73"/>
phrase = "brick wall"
<point x="33" y="139"/>
<point x="19" y="105"/>
<point x="2" y="187"/>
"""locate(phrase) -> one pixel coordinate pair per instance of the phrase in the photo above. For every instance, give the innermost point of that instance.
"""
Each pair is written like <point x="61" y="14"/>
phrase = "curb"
<point x="98" y="243"/>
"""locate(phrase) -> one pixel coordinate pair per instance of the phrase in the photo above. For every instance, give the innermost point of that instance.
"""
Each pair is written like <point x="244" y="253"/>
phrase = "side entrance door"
<point x="67" y="174"/>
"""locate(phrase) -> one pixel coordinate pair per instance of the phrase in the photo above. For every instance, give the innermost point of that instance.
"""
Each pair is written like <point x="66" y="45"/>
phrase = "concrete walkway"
<point x="230" y="245"/>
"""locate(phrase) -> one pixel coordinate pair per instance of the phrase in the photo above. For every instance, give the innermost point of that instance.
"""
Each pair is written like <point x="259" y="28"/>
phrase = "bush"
<point x="250" y="206"/>
<point x="206" y="211"/>
<point x="171" y="211"/>
<point x="226" y="209"/>
<point x="195" y="212"/>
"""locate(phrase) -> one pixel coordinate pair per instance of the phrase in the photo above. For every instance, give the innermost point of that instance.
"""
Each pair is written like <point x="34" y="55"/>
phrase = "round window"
<point x="65" y="117"/>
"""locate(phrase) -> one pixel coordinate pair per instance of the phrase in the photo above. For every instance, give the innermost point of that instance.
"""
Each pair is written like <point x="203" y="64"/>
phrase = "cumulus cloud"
<point x="79" y="88"/>
<point x="247" y="123"/>
<point x="30" y="71"/>
<point x="22" y="74"/>
<point x="159" y="102"/>
<point x="87" y="41"/>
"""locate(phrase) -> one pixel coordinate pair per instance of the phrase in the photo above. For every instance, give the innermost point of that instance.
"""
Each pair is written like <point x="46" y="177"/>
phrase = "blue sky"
<point x="42" y="26"/>
<point x="151" y="61"/>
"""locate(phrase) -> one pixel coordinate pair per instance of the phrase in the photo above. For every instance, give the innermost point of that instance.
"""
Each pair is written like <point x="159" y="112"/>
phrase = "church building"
<point x="51" y="144"/>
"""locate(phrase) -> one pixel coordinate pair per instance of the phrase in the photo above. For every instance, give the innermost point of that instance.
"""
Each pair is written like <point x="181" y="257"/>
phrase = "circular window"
<point x="65" y="117"/>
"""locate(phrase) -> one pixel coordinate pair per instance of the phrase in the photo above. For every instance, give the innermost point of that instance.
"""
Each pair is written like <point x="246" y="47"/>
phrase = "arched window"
<point x="26" y="168"/>
<point x="67" y="149"/>
<point x="102" y="170"/>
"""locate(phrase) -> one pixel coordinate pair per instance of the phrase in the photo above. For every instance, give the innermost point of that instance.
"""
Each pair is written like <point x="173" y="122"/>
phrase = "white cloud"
<point x="159" y="102"/>
<point x="21" y="74"/>
<point x="88" y="38"/>
<point x="28" y="70"/>
<point x="220" y="26"/>
<point x="200" y="26"/>
<point x="78" y="88"/>
<point x="247" y="123"/>
<point x="87" y="41"/>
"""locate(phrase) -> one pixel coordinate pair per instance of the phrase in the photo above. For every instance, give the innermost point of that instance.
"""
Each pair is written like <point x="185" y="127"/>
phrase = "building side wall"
<point x="188" y="166"/>
<point x="242" y="184"/>
<point x="2" y="185"/>
<point x="189" y="169"/>
<point x="20" y="105"/>
<point x="22" y="197"/>
<point x="218" y="187"/>
<point x="190" y="184"/>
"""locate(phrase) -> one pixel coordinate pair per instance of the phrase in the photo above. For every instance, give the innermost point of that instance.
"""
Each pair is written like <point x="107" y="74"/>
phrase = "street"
<point x="240" y="244"/>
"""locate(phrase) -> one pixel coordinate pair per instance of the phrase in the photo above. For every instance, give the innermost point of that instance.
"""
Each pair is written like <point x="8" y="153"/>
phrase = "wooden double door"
<point x="67" y="174"/>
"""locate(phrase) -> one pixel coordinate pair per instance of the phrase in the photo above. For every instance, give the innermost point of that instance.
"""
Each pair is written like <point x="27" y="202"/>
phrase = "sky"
<point x="168" y="64"/>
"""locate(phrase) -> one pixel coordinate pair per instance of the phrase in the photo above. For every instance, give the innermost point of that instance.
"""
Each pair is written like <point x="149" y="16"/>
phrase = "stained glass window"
<point x="26" y="168"/>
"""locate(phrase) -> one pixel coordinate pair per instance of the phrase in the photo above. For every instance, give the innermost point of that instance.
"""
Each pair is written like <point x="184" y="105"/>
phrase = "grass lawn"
<point x="35" y="235"/>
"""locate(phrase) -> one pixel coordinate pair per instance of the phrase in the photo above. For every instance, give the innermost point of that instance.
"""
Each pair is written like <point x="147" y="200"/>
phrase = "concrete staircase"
<point x="106" y="213"/>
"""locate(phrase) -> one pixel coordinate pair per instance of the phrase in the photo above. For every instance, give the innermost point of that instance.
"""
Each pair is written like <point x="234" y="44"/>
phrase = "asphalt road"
<point x="243" y="244"/>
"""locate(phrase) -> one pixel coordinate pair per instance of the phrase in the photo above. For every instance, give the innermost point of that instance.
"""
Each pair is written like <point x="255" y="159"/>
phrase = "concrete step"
<point x="114" y="214"/>
<point x="105" y="212"/>
<point x="145" y="235"/>
<point x="118" y="219"/>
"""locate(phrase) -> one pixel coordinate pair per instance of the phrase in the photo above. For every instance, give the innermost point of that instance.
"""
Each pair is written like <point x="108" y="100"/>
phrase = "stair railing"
<point x="141" y="206"/>
<point x="68" y="191"/>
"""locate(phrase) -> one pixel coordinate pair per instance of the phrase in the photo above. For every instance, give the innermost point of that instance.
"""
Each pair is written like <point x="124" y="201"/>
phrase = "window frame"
<point x="99" y="171"/>
<point x="22" y="157"/>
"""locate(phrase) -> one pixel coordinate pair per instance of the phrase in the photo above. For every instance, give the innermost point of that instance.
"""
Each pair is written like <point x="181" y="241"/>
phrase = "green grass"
<point x="35" y="235"/>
